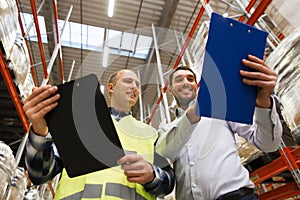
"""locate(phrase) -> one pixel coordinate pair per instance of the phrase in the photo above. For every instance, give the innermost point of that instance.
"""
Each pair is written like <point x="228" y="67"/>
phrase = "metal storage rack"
<point x="9" y="98"/>
<point x="13" y="118"/>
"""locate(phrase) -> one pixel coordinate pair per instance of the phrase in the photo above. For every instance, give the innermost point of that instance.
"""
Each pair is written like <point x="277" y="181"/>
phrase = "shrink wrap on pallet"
<point x="7" y="168"/>
<point x="18" y="185"/>
<point x="8" y="25"/>
<point x="285" y="60"/>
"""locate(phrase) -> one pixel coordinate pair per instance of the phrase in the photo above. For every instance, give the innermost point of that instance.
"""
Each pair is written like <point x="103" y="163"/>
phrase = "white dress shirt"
<point x="205" y="156"/>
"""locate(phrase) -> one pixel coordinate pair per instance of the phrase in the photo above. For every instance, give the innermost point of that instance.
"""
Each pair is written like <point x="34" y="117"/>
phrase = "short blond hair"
<point x="115" y="76"/>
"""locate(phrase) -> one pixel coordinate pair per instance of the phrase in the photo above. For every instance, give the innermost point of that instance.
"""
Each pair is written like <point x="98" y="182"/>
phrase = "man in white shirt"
<point x="203" y="150"/>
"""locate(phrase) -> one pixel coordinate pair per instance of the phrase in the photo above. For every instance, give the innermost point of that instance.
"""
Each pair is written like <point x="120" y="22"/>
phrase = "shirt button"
<point x="194" y="185"/>
<point x="192" y="163"/>
<point x="186" y="130"/>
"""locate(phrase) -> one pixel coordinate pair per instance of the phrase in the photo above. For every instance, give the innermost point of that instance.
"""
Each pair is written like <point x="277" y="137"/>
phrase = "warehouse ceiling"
<point x="130" y="16"/>
<point x="173" y="21"/>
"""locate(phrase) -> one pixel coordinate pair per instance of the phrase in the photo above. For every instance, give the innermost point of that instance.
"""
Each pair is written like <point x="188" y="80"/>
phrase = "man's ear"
<point x="110" y="87"/>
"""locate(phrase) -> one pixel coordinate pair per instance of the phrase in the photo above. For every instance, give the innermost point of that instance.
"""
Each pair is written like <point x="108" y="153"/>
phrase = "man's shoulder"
<point x="140" y="124"/>
<point x="143" y="124"/>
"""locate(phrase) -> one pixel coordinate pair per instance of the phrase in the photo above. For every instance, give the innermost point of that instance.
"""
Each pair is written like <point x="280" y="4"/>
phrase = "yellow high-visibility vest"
<point x="111" y="183"/>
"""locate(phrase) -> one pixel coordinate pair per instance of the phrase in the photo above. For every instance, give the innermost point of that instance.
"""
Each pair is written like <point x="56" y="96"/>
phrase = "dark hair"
<point x="181" y="68"/>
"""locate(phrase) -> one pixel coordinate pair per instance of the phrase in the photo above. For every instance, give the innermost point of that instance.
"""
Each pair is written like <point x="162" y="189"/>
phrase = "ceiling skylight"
<point x="91" y="38"/>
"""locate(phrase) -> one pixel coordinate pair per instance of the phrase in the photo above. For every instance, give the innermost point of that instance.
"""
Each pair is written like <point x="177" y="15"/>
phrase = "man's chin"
<point x="132" y="103"/>
<point x="187" y="98"/>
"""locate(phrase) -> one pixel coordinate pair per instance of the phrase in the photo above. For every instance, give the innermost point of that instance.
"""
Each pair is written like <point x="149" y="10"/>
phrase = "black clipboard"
<point x="82" y="128"/>
<point x="222" y="94"/>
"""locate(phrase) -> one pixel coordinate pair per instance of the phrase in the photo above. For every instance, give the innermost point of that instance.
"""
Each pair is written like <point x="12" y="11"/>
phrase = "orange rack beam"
<point x="13" y="92"/>
<point x="283" y="192"/>
<point x="275" y="167"/>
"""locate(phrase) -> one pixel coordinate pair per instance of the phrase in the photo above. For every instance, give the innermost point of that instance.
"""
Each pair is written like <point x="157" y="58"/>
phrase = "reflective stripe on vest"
<point x="122" y="191"/>
<point x="75" y="196"/>
<point x="90" y="191"/>
<point x="134" y="136"/>
<point x="112" y="189"/>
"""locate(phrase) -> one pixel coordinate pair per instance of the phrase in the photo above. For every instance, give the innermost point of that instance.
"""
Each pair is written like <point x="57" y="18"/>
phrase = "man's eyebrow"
<point x="127" y="78"/>
<point x="131" y="79"/>
<point x="179" y="76"/>
<point x="191" y="76"/>
<point x="184" y="75"/>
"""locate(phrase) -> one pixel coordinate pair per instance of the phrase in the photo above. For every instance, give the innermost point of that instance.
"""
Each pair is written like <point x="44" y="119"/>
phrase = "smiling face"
<point x="183" y="87"/>
<point x="124" y="90"/>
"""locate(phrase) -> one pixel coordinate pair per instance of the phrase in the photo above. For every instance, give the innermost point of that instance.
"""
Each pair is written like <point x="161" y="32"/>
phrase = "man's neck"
<point x="121" y="108"/>
<point x="186" y="105"/>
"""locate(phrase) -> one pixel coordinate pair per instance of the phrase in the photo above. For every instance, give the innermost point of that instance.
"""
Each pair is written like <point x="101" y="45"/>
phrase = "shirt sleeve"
<point x="265" y="132"/>
<point x="173" y="136"/>
<point x="164" y="180"/>
<point x="42" y="163"/>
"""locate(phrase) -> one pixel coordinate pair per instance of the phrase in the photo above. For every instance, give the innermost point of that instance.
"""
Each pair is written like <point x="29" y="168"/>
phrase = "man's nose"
<point x="135" y="88"/>
<point x="134" y="85"/>
<point x="186" y="81"/>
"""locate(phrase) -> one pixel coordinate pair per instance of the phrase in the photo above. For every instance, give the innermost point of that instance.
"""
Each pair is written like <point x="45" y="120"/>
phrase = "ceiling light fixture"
<point x="111" y="6"/>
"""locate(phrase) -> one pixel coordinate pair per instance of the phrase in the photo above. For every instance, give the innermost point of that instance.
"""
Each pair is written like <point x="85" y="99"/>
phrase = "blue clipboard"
<point x="222" y="94"/>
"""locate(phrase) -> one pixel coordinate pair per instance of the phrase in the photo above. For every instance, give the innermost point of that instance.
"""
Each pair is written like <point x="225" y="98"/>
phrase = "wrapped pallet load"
<point x="285" y="60"/>
<point x="14" y="49"/>
<point x="18" y="185"/>
<point x="7" y="168"/>
<point x="8" y="25"/>
<point x="19" y="64"/>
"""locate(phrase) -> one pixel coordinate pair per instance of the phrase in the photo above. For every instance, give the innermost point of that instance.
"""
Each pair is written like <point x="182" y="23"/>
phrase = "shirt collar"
<point x="178" y="111"/>
<point x="117" y="115"/>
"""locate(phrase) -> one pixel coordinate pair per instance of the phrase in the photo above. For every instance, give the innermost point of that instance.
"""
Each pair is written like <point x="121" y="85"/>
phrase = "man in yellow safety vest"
<point x="136" y="177"/>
